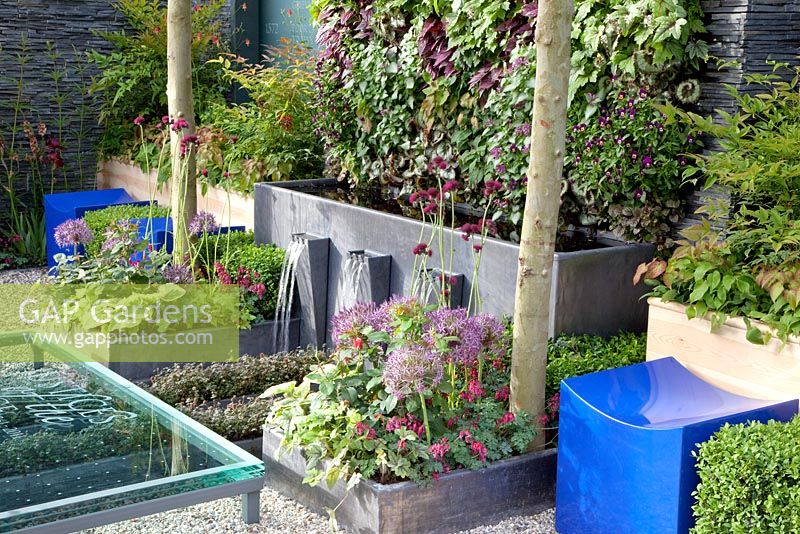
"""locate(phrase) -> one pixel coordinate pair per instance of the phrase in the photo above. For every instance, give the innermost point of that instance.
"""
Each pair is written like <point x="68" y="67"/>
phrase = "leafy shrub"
<point x="100" y="220"/>
<point x="749" y="479"/>
<point x="9" y="257"/>
<point x="237" y="420"/>
<point x="751" y="269"/>
<point x="256" y="269"/>
<point x="273" y="132"/>
<point x="214" y="248"/>
<point x="133" y="76"/>
<point x="410" y="392"/>
<point x="194" y="384"/>
<point x="575" y="355"/>
<point x="404" y="83"/>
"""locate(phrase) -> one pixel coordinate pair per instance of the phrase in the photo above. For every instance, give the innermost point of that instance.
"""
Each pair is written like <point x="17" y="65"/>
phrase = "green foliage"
<point x="257" y="271"/>
<point x="573" y="355"/>
<point x="236" y="420"/>
<point x="369" y="411"/>
<point x="213" y="248"/>
<point x="133" y="76"/>
<point x="43" y="450"/>
<point x="751" y="270"/>
<point x="749" y="479"/>
<point x="405" y="83"/>
<point x="100" y="220"/>
<point x="195" y="384"/>
<point x="273" y="131"/>
<point x="624" y="168"/>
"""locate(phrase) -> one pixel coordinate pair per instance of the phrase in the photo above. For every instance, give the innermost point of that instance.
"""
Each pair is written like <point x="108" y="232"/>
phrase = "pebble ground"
<point x="280" y="515"/>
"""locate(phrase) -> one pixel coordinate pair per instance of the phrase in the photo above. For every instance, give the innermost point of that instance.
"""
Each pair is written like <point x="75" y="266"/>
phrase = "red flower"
<point x="507" y="418"/>
<point x="478" y="449"/>
<point x="358" y="343"/>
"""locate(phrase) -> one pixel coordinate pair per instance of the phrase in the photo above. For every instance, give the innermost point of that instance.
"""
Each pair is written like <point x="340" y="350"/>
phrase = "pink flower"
<point x="478" y="449"/>
<point x="401" y="444"/>
<point x="491" y="187"/>
<point x="438" y="450"/>
<point x="475" y="389"/>
<point x="138" y="121"/>
<point x="465" y="435"/>
<point x="542" y="419"/>
<point x="507" y="418"/>
<point x="421" y="249"/>
<point x="358" y="343"/>
<point x="502" y="394"/>
<point x="450" y="185"/>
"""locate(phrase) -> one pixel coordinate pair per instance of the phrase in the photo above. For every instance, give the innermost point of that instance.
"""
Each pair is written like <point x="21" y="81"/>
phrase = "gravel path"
<point x="279" y="515"/>
<point x="22" y="276"/>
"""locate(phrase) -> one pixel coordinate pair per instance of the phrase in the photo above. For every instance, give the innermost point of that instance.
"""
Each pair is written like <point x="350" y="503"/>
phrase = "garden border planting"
<point x="462" y="499"/>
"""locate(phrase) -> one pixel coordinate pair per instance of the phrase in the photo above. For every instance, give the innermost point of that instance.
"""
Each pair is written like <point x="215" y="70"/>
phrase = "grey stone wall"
<point x="26" y="28"/>
<point x="751" y="33"/>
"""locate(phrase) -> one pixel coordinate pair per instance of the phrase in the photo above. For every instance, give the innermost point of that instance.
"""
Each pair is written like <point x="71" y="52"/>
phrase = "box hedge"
<point x="749" y="479"/>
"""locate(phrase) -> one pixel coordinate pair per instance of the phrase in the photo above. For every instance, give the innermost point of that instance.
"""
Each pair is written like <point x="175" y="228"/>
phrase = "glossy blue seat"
<point x="626" y="438"/>
<point x="60" y="207"/>
<point x="156" y="230"/>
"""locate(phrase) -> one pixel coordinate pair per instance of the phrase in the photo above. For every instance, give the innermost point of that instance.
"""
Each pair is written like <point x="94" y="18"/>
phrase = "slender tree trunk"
<point x="540" y="222"/>
<point x="181" y="106"/>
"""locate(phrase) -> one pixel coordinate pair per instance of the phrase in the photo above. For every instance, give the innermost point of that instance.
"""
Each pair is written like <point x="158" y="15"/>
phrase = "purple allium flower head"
<point x="178" y="274"/>
<point x="349" y="323"/>
<point x="73" y="232"/>
<point x="412" y="369"/>
<point x="203" y="223"/>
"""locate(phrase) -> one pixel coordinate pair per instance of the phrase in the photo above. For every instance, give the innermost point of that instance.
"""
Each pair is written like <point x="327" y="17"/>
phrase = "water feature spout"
<point x="286" y="285"/>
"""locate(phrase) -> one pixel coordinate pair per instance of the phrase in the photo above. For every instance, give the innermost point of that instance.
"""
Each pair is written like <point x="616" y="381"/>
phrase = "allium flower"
<point x="348" y="324"/>
<point x="412" y="369"/>
<point x="73" y="232"/>
<point x="178" y="274"/>
<point x="203" y="223"/>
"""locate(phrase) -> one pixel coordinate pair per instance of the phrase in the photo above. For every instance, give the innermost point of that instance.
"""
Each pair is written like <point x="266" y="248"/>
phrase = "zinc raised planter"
<point x="460" y="500"/>
<point x="724" y="357"/>
<point x="592" y="291"/>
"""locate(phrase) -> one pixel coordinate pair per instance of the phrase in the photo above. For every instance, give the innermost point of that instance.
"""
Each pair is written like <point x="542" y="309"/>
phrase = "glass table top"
<point x="76" y="438"/>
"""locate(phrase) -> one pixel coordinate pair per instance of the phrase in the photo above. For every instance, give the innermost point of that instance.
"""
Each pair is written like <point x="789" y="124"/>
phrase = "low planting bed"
<point x="224" y="396"/>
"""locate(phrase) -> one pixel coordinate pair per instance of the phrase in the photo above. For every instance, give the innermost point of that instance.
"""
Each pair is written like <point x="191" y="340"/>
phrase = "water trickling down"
<point x="283" y="308"/>
<point x="353" y="285"/>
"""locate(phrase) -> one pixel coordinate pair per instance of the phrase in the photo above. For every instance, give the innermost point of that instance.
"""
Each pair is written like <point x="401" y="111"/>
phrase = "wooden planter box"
<point x="724" y="358"/>
<point x="230" y="209"/>
<point x="460" y="500"/>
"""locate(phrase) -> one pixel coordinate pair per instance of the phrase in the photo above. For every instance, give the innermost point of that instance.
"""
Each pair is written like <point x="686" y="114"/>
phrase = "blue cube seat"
<point x="157" y="230"/>
<point x="626" y="438"/>
<point x="60" y="207"/>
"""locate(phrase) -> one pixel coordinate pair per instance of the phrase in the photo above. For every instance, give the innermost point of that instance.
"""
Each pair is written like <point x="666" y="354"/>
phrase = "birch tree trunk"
<point x="181" y="106"/>
<point x="540" y="222"/>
